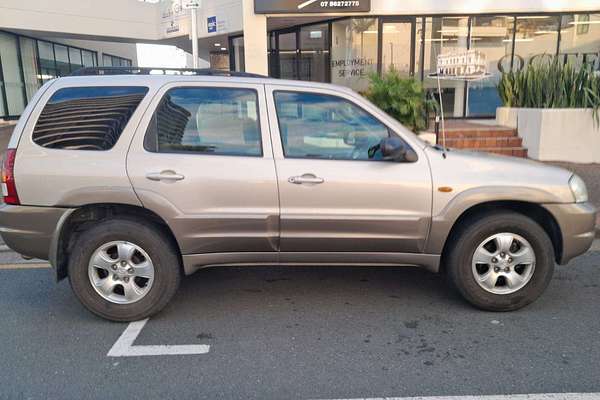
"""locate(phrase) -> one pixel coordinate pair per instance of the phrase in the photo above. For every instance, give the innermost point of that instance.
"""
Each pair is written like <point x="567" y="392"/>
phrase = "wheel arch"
<point x="80" y="219"/>
<point x="534" y="211"/>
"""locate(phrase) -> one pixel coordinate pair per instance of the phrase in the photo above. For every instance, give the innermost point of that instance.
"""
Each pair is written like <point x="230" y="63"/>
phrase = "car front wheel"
<point x="500" y="262"/>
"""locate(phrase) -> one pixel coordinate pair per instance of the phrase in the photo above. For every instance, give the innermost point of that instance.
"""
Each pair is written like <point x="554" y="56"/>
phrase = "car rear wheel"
<point x="124" y="270"/>
<point x="500" y="262"/>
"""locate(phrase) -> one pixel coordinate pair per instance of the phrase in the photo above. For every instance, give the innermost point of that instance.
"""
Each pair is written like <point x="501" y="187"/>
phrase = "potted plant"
<point x="555" y="108"/>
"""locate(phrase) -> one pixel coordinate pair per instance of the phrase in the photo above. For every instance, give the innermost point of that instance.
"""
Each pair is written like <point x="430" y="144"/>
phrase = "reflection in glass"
<point x="287" y="55"/>
<point x="396" y="47"/>
<point x="445" y="35"/>
<point x="536" y="39"/>
<point x="219" y="121"/>
<point x="47" y="65"/>
<point x="30" y="66"/>
<point x="75" y="58"/>
<point x="580" y="39"/>
<point x="62" y="60"/>
<point x="327" y="127"/>
<point x="314" y="53"/>
<point x="237" y="48"/>
<point x="491" y="35"/>
<point x="354" y="52"/>
<point x="13" y="85"/>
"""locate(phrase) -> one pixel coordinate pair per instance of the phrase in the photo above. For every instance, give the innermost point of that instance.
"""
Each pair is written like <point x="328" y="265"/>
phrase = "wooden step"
<point x="506" y="151"/>
<point x="479" y="133"/>
<point x="487" y="142"/>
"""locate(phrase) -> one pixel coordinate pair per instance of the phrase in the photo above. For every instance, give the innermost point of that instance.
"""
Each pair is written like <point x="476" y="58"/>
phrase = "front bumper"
<point x="30" y="230"/>
<point x="577" y="223"/>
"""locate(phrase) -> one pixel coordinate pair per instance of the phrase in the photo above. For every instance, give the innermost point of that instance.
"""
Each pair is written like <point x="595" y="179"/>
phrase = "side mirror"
<point x="394" y="149"/>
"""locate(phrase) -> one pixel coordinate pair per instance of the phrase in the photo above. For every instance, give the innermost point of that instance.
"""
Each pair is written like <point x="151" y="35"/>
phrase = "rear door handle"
<point x="306" y="178"/>
<point x="164" y="176"/>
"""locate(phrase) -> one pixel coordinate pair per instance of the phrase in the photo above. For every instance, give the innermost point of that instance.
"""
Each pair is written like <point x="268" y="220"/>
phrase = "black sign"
<point x="310" y="6"/>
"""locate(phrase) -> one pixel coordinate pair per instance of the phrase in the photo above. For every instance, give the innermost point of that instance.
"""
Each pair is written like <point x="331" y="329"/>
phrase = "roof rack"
<point x="160" y="71"/>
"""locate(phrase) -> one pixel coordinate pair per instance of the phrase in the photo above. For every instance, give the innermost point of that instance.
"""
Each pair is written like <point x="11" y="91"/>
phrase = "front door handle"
<point x="164" y="176"/>
<point x="306" y="178"/>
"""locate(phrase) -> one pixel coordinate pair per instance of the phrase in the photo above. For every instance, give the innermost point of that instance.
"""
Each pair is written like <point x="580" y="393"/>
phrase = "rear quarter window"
<point x="87" y="118"/>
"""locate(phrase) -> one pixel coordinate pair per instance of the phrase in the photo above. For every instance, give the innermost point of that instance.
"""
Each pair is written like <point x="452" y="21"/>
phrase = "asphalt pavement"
<point x="304" y="333"/>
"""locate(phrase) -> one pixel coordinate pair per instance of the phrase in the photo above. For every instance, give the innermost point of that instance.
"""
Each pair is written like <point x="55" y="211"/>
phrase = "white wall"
<point x="101" y="18"/>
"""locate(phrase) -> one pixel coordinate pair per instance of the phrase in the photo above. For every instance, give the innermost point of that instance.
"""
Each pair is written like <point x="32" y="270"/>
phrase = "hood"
<point x="467" y="170"/>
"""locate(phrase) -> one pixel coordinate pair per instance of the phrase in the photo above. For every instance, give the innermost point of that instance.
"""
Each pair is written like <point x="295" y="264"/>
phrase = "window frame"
<point x="150" y="130"/>
<point x="391" y="132"/>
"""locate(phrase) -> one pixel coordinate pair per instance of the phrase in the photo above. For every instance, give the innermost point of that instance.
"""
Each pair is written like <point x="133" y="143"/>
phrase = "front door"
<point x="334" y="197"/>
<point x="203" y="161"/>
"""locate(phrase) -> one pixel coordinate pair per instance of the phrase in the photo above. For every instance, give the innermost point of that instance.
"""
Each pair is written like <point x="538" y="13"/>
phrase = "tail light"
<point x="9" y="189"/>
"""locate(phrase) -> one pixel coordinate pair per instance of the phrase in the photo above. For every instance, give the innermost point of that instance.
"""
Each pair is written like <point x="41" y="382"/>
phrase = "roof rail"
<point x="160" y="71"/>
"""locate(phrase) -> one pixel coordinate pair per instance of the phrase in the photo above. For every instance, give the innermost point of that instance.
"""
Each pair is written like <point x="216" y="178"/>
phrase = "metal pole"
<point x="439" y="85"/>
<point x="194" y="35"/>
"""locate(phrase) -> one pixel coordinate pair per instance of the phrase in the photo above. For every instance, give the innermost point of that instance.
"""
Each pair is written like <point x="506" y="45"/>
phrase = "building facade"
<point x="341" y="42"/>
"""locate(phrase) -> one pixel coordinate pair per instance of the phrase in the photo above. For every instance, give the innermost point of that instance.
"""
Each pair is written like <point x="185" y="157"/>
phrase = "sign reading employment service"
<point x="310" y="6"/>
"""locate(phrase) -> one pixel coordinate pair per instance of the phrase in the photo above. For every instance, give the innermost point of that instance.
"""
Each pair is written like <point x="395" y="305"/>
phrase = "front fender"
<point x="442" y="222"/>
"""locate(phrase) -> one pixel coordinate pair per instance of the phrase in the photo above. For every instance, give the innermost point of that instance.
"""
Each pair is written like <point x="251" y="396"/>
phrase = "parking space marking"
<point x="536" y="396"/>
<point x="25" y="266"/>
<point x="124" y="347"/>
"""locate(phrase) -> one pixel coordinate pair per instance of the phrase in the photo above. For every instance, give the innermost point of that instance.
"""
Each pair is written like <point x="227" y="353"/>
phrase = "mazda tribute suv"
<point x="127" y="181"/>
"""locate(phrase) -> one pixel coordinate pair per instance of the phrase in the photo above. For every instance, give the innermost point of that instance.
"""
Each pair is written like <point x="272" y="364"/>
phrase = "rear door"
<point x="202" y="159"/>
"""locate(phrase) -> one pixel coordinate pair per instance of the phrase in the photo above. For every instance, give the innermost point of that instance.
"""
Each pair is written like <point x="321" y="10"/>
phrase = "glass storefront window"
<point x="46" y="54"/>
<point x="11" y="70"/>
<point x="397" y="47"/>
<point x="314" y="53"/>
<point x="75" y="58"/>
<point x="88" y="58"/>
<point x="536" y="38"/>
<point x="354" y="52"/>
<point x="580" y="39"/>
<point x="287" y="55"/>
<point x="30" y="66"/>
<point x="491" y="35"/>
<point x="237" y="52"/>
<point x="61" y="53"/>
<point x="445" y="35"/>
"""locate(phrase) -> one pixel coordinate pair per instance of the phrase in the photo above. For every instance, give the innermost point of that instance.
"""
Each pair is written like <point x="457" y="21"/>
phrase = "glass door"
<point x="397" y="46"/>
<point x="287" y="54"/>
<point x="314" y="53"/>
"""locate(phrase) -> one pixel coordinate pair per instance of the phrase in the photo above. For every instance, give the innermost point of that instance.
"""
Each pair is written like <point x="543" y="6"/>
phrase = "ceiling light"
<point x="217" y="44"/>
<point x="223" y="48"/>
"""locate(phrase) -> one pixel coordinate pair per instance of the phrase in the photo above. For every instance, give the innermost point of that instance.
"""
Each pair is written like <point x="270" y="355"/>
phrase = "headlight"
<point x="578" y="189"/>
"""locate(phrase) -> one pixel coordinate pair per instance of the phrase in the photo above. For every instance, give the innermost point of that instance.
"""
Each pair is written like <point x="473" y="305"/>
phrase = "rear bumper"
<point x="30" y="230"/>
<point x="577" y="223"/>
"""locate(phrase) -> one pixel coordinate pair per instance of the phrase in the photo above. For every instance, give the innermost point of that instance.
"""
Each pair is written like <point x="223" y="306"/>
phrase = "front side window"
<point x="327" y="127"/>
<point x="87" y="118"/>
<point x="221" y="121"/>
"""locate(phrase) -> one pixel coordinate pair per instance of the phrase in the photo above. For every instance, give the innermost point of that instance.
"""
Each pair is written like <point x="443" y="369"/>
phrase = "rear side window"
<point x="87" y="118"/>
<point x="220" y="121"/>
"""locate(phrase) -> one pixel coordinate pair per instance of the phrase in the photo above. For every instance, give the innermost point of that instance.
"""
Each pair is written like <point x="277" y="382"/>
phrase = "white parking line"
<point x="124" y="347"/>
<point x="537" y="396"/>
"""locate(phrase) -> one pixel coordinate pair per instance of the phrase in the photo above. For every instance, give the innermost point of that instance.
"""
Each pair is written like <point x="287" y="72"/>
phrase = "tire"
<point x="464" y="252"/>
<point x="156" y="291"/>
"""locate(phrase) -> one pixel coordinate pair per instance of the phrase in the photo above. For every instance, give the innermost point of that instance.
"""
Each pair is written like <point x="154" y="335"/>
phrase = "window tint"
<point x="220" y="121"/>
<point x="322" y="126"/>
<point x="86" y="118"/>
